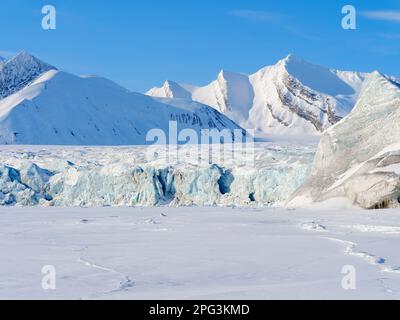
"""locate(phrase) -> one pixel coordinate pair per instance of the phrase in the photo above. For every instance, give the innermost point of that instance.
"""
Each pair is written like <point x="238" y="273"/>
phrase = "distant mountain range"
<point x="42" y="105"/>
<point x="291" y="97"/>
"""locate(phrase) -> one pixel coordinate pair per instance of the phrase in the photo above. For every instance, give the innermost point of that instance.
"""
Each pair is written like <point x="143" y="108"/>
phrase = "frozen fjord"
<point x="168" y="253"/>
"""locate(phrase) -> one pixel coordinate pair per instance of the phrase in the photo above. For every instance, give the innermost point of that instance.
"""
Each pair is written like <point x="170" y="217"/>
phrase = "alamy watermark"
<point x="49" y="278"/>
<point x="49" y="21"/>
<point x="349" y="21"/>
<point x="349" y="281"/>
<point x="205" y="146"/>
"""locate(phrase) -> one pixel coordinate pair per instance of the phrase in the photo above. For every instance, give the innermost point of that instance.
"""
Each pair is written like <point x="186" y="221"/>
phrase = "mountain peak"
<point x="317" y="77"/>
<point x="19" y="72"/>
<point x="24" y="58"/>
<point x="226" y="75"/>
<point x="292" y="57"/>
<point x="293" y="60"/>
<point x="24" y="54"/>
<point x="170" y="83"/>
<point x="376" y="73"/>
<point x="223" y="74"/>
<point x="228" y="72"/>
<point x="170" y="89"/>
<point x="294" y="64"/>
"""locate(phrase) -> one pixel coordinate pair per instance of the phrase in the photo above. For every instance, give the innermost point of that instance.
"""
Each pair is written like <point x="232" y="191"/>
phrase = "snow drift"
<point x="359" y="158"/>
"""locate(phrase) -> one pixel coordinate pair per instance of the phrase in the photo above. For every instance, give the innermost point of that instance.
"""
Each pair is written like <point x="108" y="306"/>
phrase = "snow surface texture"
<point x="125" y="177"/>
<point x="40" y="105"/>
<point x="359" y="158"/>
<point x="198" y="253"/>
<point x="292" y="97"/>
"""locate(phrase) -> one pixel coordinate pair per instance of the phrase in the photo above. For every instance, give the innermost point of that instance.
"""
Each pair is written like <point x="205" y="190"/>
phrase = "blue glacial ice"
<point x="121" y="176"/>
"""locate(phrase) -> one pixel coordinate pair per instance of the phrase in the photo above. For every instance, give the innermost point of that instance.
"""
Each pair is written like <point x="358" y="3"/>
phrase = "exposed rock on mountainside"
<point x="290" y="97"/>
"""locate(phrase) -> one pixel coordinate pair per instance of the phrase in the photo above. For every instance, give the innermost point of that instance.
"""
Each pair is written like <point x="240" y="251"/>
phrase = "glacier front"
<point x="123" y="176"/>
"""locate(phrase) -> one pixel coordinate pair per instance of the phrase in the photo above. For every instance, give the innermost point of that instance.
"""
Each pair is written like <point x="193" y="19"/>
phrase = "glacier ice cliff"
<point x="122" y="176"/>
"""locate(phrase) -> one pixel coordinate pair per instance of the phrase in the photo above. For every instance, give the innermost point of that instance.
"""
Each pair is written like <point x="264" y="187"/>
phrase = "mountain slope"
<point x="230" y="94"/>
<point x="19" y="71"/>
<point x="292" y="96"/>
<point x="63" y="109"/>
<point x="359" y="158"/>
<point x="295" y="96"/>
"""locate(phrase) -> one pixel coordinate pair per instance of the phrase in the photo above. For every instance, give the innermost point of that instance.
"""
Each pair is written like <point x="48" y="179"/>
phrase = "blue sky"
<point x="141" y="43"/>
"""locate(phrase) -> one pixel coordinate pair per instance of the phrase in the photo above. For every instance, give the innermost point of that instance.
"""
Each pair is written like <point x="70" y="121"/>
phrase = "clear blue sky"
<point x="141" y="43"/>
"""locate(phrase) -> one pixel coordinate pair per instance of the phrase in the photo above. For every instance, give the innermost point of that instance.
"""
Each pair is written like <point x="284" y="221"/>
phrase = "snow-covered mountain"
<point x="291" y="97"/>
<point x="20" y="71"/>
<point x="359" y="158"/>
<point x="41" y="105"/>
<point x="172" y="90"/>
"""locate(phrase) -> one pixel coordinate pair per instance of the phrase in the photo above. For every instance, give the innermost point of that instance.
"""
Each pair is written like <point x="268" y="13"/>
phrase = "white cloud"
<point x="256" y="15"/>
<point x="383" y="15"/>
